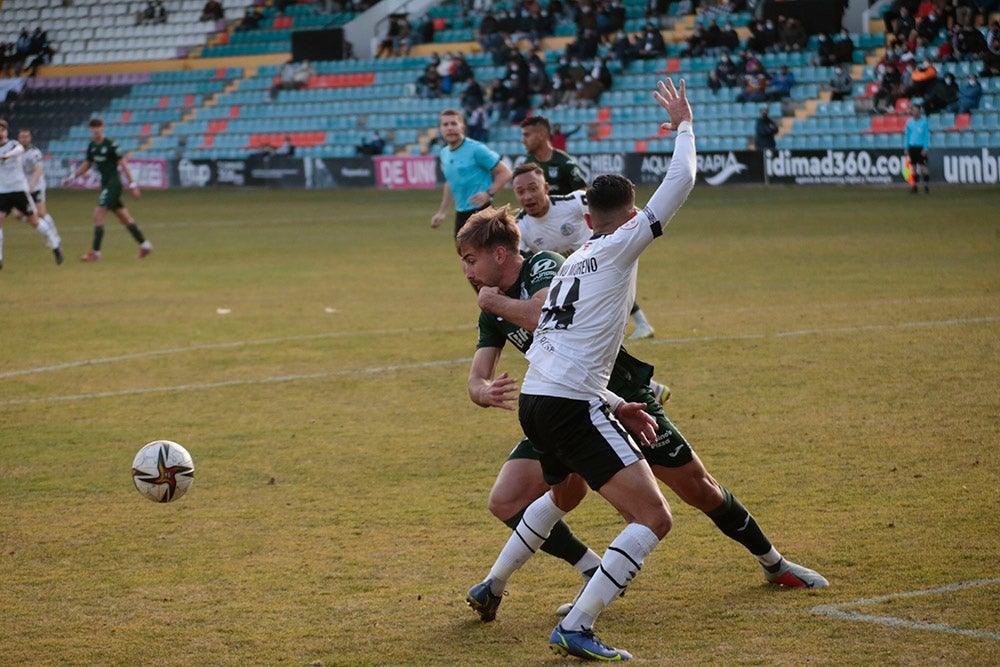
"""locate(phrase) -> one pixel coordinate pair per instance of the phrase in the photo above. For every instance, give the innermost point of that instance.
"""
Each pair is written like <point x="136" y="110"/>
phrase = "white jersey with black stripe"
<point x="11" y="172"/>
<point x="562" y="229"/>
<point x="583" y="320"/>
<point x="31" y="158"/>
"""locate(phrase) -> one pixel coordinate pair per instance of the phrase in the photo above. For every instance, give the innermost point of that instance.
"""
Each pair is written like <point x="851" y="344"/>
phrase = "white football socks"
<point x="47" y="228"/>
<point x="621" y="562"/>
<point x="531" y="532"/>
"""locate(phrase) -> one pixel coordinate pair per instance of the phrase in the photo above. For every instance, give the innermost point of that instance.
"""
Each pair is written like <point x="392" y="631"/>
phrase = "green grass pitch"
<point x="833" y="355"/>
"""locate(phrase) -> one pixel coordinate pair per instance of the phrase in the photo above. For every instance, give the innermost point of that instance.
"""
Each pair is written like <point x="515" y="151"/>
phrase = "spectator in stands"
<point x="921" y="80"/>
<point x="563" y="92"/>
<point x="286" y="79"/>
<point x="623" y="49"/>
<point x="429" y="83"/>
<point x="930" y="26"/>
<point x="993" y="37"/>
<point x="889" y="81"/>
<point x="991" y="59"/>
<point x="397" y="33"/>
<point x="303" y="73"/>
<point x="471" y="96"/>
<point x="6" y="60"/>
<point x="572" y="70"/>
<point x="212" y="11"/>
<point x="371" y="145"/>
<point x="905" y="24"/>
<point x="600" y="72"/>
<point x="965" y="13"/>
<point x="729" y="39"/>
<point x="40" y="52"/>
<point x="445" y="67"/>
<point x="754" y="85"/>
<point x="651" y="44"/>
<point x="714" y="84"/>
<point x="538" y="80"/>
<point x="21" y="48"/>
<point x="769" y="38"/>
<point x="585" y="45"/>
<point x="479" y="123"/>
<point x="793" y="35"/>
<point x="941" y="94"/>
<point x="154" y="12"/>
<point x="826" y="54"/>
<point x="891" y="15"/>
<point x="748" y="62"/>
<point x="610" y="19"/>
<point x="843" y="48"/>
<point x="781" y="84"/>
<point x="841" y="85"/>
<point x="286" y="148"/>
<point x="251" y="19"/>
<point x="697" y="43"/>
<point x="588" y="92"/>
<point x="518" y="100"/>
<point x="713" y="38"/>
<point x="559" y="138"/>
<point x="765" y="130"/>
<point x="460" y="69"/>
<point x="726" y="71"/>
<point x="969" y="96"/>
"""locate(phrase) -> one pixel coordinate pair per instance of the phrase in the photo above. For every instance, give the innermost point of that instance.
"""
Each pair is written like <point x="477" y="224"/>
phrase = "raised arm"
<point x="680" y="176"/>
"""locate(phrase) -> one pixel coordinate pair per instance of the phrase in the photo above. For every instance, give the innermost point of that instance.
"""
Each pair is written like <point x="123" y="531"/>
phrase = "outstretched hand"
<point x="637" y="421"/>
<point x="674" y="101"/>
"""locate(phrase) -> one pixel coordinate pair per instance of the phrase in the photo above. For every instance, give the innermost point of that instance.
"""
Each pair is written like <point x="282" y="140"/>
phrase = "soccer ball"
<point x="162" y="471"/>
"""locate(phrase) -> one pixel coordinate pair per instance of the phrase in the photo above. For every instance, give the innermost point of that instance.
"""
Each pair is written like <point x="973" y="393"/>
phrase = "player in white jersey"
<point x="557" y="223"/>
<point x="14" y="194"/>
<point x="34" y="171"/>
<point x="579" y="426"/>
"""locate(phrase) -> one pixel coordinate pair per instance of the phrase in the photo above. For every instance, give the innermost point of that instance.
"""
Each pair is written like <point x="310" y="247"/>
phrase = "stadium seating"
<point x="227" y="112"/>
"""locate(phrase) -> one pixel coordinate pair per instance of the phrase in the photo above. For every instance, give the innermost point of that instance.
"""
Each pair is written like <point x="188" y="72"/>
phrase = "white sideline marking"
<point x="837" y="611"/>
<point x="368" y="371"/>
<point x="814" y="332"/>
<point x="235" y="383"/>
<point x="220" y="346"/>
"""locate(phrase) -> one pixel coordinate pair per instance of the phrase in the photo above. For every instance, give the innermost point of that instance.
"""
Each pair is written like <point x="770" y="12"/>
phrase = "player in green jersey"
<point x="512" y="289"/>
<point x="561" y="172"/>
<point x="106" y="155"/>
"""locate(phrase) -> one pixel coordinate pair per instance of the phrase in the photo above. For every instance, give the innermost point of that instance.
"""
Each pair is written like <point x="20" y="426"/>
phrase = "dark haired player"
<point x="107" y="156"/>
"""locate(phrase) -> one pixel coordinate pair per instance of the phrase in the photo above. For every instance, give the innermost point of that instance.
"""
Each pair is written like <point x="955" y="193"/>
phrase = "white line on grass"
<point x="235" y="383"/>
<point x="367" y="371"/>
<point x="837" y="611"/>
<point x="221" y="346"/>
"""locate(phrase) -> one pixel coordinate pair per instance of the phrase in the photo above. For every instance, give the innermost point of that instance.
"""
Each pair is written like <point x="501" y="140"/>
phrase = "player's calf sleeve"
<point x="621" y="562"/>
<point x="136" y="233"/>
<point x="98" y="237"/>
<point x="737" y="523"/>
<point x="561" y="543"/>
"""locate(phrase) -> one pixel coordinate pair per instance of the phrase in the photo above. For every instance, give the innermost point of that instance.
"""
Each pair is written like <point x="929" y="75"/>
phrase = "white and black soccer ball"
<point x="163" y="471"/>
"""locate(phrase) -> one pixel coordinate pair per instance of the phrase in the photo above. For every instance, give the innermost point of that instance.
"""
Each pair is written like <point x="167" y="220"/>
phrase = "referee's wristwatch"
<point x="490" y="193"/>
